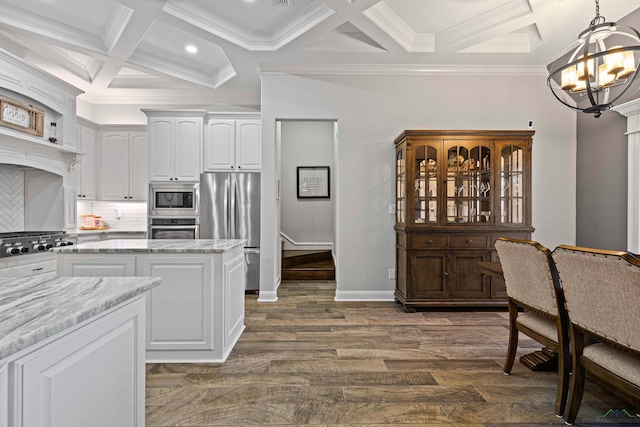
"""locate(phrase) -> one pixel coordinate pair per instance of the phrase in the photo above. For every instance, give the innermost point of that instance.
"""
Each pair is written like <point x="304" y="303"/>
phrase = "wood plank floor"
<point x="308" y="360"/>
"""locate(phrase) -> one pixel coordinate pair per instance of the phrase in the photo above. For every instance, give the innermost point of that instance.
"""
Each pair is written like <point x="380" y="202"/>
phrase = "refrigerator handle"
<point x="227" y="210"/>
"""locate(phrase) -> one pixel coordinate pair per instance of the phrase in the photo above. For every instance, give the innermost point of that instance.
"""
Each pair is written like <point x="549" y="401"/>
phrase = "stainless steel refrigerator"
<point x="230" y="209"/>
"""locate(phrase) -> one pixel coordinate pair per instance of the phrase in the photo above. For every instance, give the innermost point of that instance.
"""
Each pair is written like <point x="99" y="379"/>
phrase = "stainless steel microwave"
<point x="174" y="199"/>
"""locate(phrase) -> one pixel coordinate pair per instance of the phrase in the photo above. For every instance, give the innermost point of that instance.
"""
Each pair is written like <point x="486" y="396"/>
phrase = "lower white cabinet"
<point x="29" y="267"/>
<point x="92" y="374"/>
<point x="195" y="315"/>
<point x="99" y="266"/>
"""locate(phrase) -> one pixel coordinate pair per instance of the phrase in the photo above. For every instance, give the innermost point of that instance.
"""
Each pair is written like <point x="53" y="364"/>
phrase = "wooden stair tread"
<point x="307" y="265"/>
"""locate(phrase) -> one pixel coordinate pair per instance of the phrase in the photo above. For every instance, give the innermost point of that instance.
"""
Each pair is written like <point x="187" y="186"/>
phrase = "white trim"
<point x="631" y="110"/>
<point x="406" y="69"/>
<point x="268" y="296"/>
<point x="365" y="296"/>
<point x="308" y="245"/>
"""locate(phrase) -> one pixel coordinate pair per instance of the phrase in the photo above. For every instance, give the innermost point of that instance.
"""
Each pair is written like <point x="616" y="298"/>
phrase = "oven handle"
<point x="173" y="227"/>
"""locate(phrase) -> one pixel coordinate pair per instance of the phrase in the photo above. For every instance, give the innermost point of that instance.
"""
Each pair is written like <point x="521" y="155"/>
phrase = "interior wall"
<point x="601" y="192"/>
<point x="308" y="223"/>
<point x="371" y="111"/>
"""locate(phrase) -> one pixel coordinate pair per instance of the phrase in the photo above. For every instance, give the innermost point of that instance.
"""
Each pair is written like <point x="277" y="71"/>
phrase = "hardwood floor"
<point x="308" y="360"/>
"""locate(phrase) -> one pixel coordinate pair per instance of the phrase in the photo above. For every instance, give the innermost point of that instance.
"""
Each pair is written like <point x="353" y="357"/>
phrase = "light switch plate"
<point x="392" y="209"/>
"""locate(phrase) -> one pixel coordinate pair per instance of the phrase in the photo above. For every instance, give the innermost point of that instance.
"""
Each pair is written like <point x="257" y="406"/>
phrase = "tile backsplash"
<point x="117" y="216"/>
<point x="11" y="200"/>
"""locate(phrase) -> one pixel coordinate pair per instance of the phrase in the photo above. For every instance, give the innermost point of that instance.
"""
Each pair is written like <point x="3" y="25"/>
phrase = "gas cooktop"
<point x="32" y="242"/>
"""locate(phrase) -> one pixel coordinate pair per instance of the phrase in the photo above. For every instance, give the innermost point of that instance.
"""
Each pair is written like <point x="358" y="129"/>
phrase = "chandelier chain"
<point x="598" y="19"/>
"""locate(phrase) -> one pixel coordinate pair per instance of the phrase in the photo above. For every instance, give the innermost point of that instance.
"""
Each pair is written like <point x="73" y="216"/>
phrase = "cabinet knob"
<point x="84" y="195"/>
<point x="445" y="274"/>
<point x="175" y="179"/>
<point x="429" y="241"/>
<point x="239" y="167"/>
<point x="469" y="242"/>
<point x="231" y="167"/>
<point x="170" y="179"/>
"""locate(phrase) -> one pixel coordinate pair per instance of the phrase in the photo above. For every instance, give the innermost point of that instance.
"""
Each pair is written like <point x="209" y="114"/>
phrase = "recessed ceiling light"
<point x="191" y="48"/>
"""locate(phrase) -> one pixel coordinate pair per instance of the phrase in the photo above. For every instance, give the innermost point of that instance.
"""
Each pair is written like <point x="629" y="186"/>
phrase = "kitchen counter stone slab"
<point x="124" y="246"/>
<point x="35" y="308"/>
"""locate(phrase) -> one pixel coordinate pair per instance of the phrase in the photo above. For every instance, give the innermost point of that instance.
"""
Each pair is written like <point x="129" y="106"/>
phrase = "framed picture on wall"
<point x="313" y="182"/>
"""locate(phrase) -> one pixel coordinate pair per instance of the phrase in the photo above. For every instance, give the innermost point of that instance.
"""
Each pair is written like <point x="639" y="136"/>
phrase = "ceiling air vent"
<point x="283" y="3"/>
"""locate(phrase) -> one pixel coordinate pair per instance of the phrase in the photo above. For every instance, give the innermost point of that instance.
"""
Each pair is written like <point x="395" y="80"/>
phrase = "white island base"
<point x="197" y="315"/>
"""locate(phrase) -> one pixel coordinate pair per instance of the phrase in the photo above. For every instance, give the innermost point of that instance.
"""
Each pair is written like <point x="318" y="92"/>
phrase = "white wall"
<point x="371" y="111"/>
<point x="307" y="222"/>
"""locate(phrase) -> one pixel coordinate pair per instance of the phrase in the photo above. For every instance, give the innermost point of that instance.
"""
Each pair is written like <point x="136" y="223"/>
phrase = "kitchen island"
<point x="72" y="351"/>
<point x="197" y="315"/>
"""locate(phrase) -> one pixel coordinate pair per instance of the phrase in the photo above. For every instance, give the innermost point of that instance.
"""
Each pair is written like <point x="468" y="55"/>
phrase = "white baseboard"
<point x="365" y="296"/>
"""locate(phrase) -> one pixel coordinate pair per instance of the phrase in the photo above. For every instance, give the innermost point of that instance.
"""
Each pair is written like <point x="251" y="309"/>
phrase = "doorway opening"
<point x="308" y="195"/>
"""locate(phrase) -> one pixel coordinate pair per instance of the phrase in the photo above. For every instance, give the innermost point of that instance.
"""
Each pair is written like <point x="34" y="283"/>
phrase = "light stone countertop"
<point x="203" y="246"/>
<point x="35" y="308"/>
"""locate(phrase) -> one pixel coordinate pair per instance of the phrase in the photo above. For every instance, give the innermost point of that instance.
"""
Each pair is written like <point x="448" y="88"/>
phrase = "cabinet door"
<point x="466" y="279"/>
<point x="219" y="147"/>
<point x="138" y="166"/>
<point x="97" y="266"/>
<point x="180" y="312"/>
<point x="188" y="144"/>
<point x="93" y="376"/>
<point x="86" y="169"/>
<point x="428" y="275"/>
<point x="161" y="149"/>
<point x="70" y="208"/>
<point x="234" y="286"/>
<point x="248" y="144"/>
<point x="114" y="166"/>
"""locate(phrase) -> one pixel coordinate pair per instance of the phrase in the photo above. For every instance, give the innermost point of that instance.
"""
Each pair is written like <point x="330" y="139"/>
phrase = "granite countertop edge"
<point x="139" y="246"/>
<point x="38" y="308"/>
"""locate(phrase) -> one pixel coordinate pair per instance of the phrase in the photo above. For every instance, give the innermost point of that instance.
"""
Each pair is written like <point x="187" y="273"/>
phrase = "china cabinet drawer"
<point x="471" y="241"/>
<point x="428" y="241"/>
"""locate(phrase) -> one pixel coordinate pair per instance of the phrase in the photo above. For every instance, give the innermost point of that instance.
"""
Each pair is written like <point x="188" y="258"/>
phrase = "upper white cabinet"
<point x="123" y="165"/>
<point x="175" y="148"/>
<point x="86" y="169"/>
<point x="232" y="144"/>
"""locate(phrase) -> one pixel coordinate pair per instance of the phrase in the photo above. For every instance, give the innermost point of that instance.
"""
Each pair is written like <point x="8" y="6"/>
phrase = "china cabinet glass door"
<point x="401" y="177"/>
<point x="426" y="185"/>
<point x="468" y="180"/>
<point x="512" y="185"/>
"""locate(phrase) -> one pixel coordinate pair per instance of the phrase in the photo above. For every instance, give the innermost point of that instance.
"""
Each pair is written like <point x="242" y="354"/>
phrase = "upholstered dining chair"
<point x="532" y="284"/>
<point x="602" y="290"/>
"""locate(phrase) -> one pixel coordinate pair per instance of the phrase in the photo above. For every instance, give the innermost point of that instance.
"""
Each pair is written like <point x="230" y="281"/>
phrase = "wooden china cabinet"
<point x="457" y="191"/>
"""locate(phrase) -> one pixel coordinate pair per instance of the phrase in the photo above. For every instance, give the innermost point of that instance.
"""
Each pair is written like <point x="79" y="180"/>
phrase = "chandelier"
<point x="598" y="68"/>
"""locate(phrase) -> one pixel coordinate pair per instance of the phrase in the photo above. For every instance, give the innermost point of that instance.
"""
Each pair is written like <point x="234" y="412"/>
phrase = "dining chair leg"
<point x="513" y="339"/>
<point x="564" y="374"/>
<point x="576" y="385"/>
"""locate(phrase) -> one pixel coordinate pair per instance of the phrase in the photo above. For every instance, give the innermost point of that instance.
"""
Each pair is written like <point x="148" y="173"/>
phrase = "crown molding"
<point x="389" y="22"/>
<point x="406" y="70"/>
<point x="205" y="20"/>
<point x="116" y="25"/>
<point x="162" y="66"/>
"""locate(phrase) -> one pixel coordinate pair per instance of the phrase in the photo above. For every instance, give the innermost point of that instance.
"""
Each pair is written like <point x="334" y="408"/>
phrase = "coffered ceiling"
<point x="133" y="51"/>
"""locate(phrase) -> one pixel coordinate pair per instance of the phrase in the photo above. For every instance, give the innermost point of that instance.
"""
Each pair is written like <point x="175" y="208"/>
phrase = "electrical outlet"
<point x="392" y="273"/>
<point x="392" y="209"/>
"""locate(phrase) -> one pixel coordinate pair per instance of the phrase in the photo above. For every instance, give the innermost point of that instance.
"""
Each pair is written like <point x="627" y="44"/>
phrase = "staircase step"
<point x="307" y="265"/>
<point x="293" y="258"/>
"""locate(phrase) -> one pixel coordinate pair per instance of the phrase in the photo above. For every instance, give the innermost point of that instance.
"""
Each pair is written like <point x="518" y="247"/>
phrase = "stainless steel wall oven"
<point x="174" y="228"/>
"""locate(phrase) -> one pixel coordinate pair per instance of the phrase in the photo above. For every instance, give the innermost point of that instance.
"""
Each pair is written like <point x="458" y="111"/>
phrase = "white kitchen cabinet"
<point x="86" y="169"/>
<point x="30" y="269"/>
<point x="4" y="395"/>
<point x="70" y="197"/>
<point x="91" y="375"/>
<point x="98" y="266"/>
<point x="123" y="165"/>
<point x="180" y="311"/>
<point x="175" y="148"/>
<point x="233" y="145"/>
<point x="195" y="315"/>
